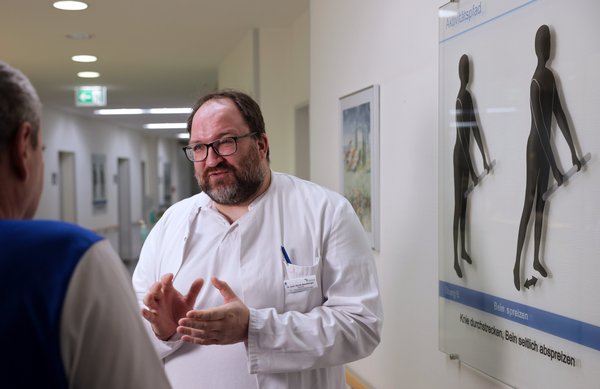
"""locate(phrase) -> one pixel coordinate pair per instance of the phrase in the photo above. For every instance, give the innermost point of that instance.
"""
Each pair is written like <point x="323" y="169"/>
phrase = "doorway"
<point x="302" y="142"/>
<point x="124" y="196"/>
<point x="66" y="186"/>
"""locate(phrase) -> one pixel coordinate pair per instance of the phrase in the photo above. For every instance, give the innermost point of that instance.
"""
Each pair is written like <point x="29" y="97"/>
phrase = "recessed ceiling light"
<point x="140" y="111"/>
<point x="79" y="36"/>
<point x="84" y="58"/>
<point x="165" y="126"/>
<point x="70" y="5"/>
<point x="120" y="111"/>
<point x="183" y="135"/>
<point x="162" y="111"/>
<point x="88" y="74"/>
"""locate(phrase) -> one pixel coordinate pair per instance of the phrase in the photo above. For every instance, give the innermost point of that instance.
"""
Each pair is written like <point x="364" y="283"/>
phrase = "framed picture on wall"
<point x="99" y="181"/>
<point x="359" y="118"/>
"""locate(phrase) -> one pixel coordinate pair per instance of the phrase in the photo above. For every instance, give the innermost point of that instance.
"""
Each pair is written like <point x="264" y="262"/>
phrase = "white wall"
<point x="300" y="62"/>
<point x="277" y="75"/>
<point x="239" y="69"/>
<point x="275" y="98"/>
<point x="392" y="43"/>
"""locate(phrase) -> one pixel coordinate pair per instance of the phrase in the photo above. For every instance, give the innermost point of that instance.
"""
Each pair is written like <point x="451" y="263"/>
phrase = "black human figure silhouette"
<point x="544" y="101"/>
<point x="466" y="123"/>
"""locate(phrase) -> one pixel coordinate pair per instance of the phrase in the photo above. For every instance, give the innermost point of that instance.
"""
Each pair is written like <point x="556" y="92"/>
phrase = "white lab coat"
<point x="295" y="340"/>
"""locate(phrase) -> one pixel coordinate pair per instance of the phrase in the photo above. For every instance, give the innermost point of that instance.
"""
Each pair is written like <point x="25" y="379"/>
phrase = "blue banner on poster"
<point x="570" y="329"/>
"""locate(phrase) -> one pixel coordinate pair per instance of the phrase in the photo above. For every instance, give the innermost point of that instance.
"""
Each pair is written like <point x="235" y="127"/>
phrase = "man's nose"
<point x="212" y="158"/>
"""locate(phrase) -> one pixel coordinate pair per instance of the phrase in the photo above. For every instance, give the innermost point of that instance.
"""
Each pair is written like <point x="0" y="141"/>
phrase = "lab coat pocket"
<point x="302" y="287"/>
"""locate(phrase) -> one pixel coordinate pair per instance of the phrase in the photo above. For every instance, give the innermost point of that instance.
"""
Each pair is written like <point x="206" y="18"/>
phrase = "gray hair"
<point x="19" y="103"/>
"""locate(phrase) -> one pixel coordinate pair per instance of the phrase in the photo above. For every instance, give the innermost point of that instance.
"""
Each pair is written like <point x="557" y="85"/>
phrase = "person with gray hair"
<point x="69" y="316"/>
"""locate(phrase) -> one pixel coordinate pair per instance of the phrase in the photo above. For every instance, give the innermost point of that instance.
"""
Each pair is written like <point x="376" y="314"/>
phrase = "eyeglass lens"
<point x="223" y="147"/>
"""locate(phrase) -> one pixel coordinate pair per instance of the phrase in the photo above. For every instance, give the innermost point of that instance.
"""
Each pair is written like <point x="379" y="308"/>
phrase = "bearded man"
<point x="293" y="292"/>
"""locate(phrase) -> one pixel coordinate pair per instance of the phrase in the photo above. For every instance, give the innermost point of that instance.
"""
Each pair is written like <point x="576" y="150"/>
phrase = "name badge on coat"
<point x="297" y="285"/>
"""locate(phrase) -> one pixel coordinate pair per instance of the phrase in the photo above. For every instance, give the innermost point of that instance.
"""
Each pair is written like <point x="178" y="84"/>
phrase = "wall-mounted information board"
<point x="519" y="189"/>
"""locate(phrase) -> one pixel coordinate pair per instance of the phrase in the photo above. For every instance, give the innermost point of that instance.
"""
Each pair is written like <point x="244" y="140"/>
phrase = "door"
<point x="67" y="193"/>
<point x="302" y="142"/>
<point x="124" y="196"/>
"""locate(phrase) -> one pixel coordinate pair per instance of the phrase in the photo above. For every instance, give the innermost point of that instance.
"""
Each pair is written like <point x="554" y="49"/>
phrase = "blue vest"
<point x="37" y="260"/>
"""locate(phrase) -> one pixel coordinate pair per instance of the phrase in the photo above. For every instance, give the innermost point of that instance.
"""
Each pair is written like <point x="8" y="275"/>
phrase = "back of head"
<point x="19" y="103"/>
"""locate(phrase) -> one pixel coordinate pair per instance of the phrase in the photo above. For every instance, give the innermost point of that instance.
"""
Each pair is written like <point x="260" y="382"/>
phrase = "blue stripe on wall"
<point x="551" y="323"/>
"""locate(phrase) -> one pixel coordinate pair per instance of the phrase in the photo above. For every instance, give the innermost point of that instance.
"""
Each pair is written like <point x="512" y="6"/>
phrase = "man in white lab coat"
<point x="262" y="280"/>
<point x="69" y="316"/>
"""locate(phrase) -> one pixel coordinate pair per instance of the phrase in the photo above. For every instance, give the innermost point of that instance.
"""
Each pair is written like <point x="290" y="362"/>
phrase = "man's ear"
<point x="263" y="144"/>
<point x="20" y="150"/>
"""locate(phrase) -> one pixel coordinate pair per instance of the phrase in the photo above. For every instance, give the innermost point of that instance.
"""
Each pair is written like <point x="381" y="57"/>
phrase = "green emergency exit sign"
<point x="90" y="96"/>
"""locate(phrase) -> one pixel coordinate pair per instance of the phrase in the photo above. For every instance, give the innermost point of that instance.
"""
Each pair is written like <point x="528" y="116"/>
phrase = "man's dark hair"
<point x="19" y="103"/>
<point x="249" y="108"/>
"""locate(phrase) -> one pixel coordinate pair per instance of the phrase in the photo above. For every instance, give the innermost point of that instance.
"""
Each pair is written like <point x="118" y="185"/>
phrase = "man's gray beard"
<point x="248" y="180"/>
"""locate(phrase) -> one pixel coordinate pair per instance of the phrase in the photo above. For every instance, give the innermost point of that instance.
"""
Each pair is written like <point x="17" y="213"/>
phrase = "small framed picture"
<point x="99" y="181"/>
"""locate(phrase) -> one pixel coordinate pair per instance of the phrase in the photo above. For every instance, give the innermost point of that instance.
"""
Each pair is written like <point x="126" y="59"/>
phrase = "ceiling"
<point x="151" y="53"/>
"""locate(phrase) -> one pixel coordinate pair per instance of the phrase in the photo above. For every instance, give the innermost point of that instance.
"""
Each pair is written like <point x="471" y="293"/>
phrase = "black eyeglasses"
<point x="197" y="152"/>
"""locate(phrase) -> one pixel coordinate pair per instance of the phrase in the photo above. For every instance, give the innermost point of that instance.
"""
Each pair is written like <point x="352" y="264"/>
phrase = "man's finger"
<point x="193" y="292"/>
<point x="210" y="314"/>
<point x="196" y="336"/>
<point x="154" y="294"/>
<point x="215" y="326"/>
<point x="148" y="315"/>
<point x="224" y="288"/>
<point x="201" y="341"/>
<point x="166" y="279"/>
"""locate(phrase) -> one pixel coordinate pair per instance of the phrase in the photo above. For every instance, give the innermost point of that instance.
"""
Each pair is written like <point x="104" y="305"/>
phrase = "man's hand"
<point x="165" y="305"/>
<point x="226" y="324"/>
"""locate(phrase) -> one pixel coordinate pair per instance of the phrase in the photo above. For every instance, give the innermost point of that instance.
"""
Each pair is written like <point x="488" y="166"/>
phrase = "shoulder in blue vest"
<point x="37" y="260"/>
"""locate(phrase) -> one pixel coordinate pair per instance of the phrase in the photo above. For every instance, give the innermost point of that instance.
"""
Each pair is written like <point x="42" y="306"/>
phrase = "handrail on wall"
<point x="115" y="227"/>
<point x="106" y="229"/>
<point x="353" y="381"/>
